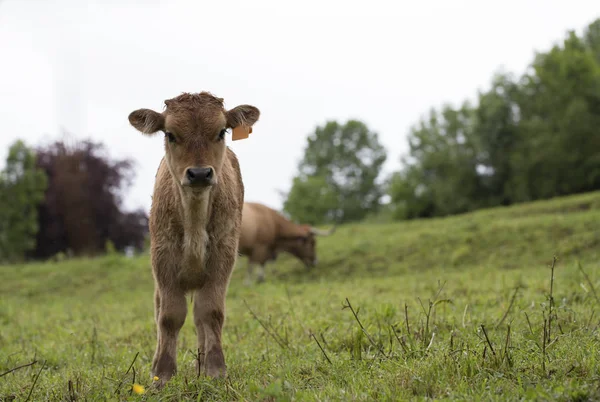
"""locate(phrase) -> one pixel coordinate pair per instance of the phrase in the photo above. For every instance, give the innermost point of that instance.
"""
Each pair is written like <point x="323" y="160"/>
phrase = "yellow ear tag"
<point x="241" y="133"/>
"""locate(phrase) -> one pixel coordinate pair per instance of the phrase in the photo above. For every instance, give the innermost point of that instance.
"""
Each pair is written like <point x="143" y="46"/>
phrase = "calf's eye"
<point x="222" y="134"/>
<point x="170" y="137"/>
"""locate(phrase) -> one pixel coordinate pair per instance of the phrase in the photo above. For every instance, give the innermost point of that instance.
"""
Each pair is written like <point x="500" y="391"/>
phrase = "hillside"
<point x="84" y="320"/>
<point x="520" y="236"/>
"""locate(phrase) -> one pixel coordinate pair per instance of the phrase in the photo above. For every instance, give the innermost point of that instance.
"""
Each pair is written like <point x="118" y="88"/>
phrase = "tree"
<point x="527" y="139"/>
<point x="22" y="187"/>
<point x="409" y="197"/>
<point x="439" y="176"/>
<point x="591" y="38"/>
<point x="82" y="209"/>
<point x="311" y="200"/>
<point x="341" y="163"/>
<point x="559" y="141"/>
<point x="496" y="132"/>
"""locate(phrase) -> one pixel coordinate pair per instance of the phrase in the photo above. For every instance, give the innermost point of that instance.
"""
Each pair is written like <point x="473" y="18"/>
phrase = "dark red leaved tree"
<point x="82" y="207"/>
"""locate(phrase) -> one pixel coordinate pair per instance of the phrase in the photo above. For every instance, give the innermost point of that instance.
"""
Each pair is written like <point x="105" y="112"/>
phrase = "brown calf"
<point x="195" y="222"/>
<point x="265" y="232"/>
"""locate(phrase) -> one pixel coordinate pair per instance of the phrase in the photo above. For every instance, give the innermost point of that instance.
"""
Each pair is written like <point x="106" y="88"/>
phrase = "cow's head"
<point x="304" y="246"/>
<point x="194" y="126"/>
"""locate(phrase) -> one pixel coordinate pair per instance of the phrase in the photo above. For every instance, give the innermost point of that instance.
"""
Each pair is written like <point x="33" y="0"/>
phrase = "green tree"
<point x="410" y="198"/>
<point x="559" y="140"/>
<point x="591" y="38"/>
<point x="496" y="131"/>
<point x="342" y="162"/>
<point x="527" y="139"/>
<point x="439" y="176"/>
<point x="311" y="200"/>
<point x="22" y="187"/>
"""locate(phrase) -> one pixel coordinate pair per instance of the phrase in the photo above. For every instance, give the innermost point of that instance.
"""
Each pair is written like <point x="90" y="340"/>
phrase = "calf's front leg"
<point x="209" y="317"/>
<point x="209" y="308"/>
<point x="172" y="310"/>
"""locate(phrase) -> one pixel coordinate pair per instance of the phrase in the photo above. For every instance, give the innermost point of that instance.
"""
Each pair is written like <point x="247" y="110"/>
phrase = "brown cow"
<point x="195" y="222"/>
<point x="265" y="232"/>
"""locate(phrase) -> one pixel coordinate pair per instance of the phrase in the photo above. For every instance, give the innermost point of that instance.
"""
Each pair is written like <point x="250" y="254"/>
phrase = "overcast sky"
<point x="85" y="65"/>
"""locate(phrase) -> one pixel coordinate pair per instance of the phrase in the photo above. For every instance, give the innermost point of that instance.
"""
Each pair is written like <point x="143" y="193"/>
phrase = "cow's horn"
<point x="319" y="232"/>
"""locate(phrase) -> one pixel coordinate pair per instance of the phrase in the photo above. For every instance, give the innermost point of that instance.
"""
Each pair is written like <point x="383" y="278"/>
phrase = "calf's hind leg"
<point x="170" y="319"/>
<point x="156" y="310"/>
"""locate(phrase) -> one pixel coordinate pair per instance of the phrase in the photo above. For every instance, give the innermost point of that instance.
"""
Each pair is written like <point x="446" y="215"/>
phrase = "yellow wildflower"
<point x="138" y="389"/>
<point x="155" y="378"/>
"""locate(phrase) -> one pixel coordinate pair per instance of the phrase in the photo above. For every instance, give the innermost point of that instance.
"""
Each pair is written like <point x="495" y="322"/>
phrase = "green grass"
<point x="84" y="321"/>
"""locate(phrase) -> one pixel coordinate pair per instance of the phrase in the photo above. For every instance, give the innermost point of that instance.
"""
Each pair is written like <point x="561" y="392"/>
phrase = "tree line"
<point x="526" y="138"/>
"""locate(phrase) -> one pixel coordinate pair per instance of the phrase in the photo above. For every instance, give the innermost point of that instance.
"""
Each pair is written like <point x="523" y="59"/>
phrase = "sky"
<point x="81" y="66"/>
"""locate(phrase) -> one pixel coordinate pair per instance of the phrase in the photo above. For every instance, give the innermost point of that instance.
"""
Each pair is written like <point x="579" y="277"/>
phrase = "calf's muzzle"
<point x="200" y="176"/>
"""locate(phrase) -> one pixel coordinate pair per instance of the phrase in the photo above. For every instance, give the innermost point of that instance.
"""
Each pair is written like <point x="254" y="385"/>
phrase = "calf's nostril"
<point x="190" y="174"/>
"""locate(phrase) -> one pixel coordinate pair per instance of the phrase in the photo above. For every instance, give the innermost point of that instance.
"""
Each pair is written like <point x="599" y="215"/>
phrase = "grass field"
<point x="455" y="308"/>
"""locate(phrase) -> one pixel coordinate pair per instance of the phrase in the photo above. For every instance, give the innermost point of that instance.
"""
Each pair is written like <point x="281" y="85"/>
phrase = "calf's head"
<point x="194" y="126"/>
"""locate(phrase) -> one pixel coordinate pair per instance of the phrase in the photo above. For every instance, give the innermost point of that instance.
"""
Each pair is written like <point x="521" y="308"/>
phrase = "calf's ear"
<point x="240" y="119"/>
<point x="242" y="115"/>
<point x="147" y="121"/>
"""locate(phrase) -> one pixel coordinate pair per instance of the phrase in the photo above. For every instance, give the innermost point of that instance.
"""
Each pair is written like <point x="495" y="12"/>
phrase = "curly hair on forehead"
<point x="194" y="100"/>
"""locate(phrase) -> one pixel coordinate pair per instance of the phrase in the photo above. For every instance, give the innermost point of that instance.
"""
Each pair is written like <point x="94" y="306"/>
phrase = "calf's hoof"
<point x="216" y="372"/>
<point x="163" y="368"/>
<point x="158" y="383"/>
<point x="214" y="364"/>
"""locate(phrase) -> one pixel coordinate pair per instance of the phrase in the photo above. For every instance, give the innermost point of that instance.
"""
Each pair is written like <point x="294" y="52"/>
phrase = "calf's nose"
<point x="200" y="175"/>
